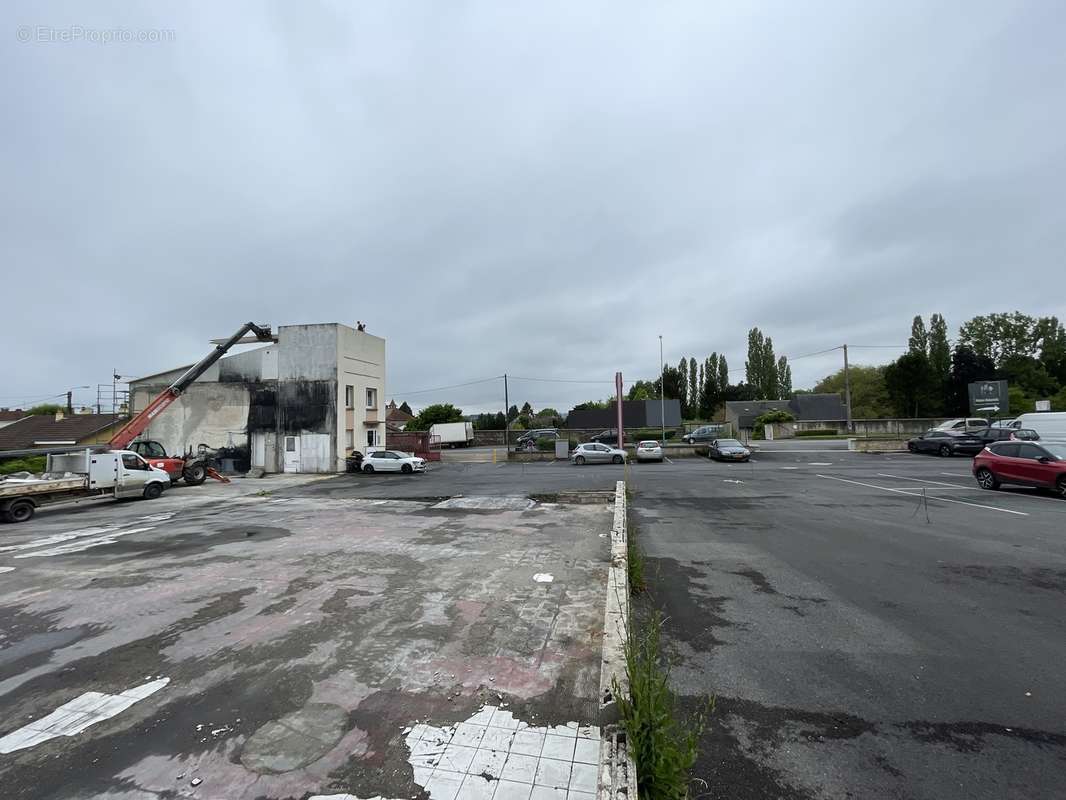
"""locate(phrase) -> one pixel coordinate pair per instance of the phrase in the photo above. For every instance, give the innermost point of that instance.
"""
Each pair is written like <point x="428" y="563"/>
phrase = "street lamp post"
<point x="662" y="389"/>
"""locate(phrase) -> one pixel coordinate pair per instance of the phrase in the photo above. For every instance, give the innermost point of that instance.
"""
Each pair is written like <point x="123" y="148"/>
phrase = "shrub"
<point x="769" y="418"/>
<point x="29" y="464"/>
<point x="546" y="444"/>
<point x="818" y="432"/>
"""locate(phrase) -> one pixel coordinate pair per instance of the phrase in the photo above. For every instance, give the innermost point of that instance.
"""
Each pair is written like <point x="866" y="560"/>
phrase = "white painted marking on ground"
<point x="6" y="569"/>
<point x="819" y="463"/>
<point x="80" y="713"/>
<point x="57" y="538"/>
<point x="789" y="467"/>
<point x="543" y="577"/>
<point x="84" y="544"/>
<point x="927" y="480"/>
<point x="929" y="496"/>
<point x="731" y="480"/>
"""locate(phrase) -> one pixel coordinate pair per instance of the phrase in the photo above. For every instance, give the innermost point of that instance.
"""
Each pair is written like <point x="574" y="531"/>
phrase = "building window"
<point x="371" y="398"/>
<point x="371" y="438"/>
<point x="349" y="397"/>
<point x="349" y="439"/>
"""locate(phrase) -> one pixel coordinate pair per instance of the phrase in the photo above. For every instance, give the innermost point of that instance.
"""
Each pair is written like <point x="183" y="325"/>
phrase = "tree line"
<point x="932" y="378"/>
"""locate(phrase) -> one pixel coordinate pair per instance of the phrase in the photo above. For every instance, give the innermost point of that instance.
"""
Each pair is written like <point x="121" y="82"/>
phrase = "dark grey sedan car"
<point x="728" y="450"/>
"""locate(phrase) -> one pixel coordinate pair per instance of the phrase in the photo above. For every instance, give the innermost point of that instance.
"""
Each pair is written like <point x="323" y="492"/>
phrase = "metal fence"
<point x="421" y="443"/>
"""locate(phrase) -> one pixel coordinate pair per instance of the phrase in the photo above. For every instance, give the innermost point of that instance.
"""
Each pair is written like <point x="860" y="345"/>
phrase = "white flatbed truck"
<point x="78" y="476"/>
<point x="453" y="434"/>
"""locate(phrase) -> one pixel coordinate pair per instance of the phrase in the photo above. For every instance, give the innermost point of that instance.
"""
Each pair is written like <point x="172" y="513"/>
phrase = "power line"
<point x="555" y="380"/>
<point x="454" y="386"/>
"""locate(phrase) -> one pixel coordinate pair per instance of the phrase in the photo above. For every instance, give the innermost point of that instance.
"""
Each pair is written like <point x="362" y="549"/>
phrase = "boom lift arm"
<point x="136" y="426"/>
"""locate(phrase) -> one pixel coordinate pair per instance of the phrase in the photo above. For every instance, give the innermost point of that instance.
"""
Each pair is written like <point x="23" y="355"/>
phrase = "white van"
<point x="1050" y="425"/>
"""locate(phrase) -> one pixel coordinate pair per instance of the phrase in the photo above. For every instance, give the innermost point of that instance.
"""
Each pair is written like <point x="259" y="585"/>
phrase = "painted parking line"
<point x="929" y="496"/>
<point x="1011" y="492"/>
<point x="927" y="480"/>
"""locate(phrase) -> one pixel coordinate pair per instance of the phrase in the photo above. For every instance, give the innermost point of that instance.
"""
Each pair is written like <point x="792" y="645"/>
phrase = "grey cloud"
<point x="539" y="190"/>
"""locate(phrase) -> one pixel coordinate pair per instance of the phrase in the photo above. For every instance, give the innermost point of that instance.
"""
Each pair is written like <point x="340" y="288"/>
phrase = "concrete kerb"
<point x="617" y="773"/>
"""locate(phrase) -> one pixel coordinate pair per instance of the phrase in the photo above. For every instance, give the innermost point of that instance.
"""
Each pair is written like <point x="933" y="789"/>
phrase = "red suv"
<point x="1025" y="463"/>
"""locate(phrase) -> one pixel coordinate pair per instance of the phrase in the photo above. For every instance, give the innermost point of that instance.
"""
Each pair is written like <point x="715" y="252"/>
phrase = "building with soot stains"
<point x="299" y="404"/>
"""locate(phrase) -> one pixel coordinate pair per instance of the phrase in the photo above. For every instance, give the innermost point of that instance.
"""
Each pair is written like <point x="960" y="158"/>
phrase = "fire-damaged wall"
<point x="293" y="420"/>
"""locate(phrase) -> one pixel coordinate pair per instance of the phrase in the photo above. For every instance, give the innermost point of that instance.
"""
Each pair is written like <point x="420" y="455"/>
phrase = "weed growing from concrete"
<point x="635" y="565"/>
<point x="264" y="493"/>
<point x="663" y="745"/>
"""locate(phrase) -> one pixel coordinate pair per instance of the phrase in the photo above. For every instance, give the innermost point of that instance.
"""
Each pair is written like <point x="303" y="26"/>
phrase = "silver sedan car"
<point x="649" y="450"/>
<point x="596" y="453"/>
<point x="729" y="450"/>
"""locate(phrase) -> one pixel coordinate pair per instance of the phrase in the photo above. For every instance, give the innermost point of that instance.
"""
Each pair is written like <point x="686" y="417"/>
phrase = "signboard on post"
<point x="989" y="397"/>
<point x="1043" y="405"/>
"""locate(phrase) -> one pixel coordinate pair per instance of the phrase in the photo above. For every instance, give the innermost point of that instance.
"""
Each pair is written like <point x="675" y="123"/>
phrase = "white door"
<point x="292" y="454"/>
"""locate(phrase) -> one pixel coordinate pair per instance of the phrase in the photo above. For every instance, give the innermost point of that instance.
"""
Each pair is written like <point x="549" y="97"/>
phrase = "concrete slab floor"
<point x="301" y="636"/>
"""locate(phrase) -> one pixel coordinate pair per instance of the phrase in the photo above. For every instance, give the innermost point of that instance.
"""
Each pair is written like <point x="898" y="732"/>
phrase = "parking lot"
<point x="871" y="626"/>
<point x="287" y="638"/>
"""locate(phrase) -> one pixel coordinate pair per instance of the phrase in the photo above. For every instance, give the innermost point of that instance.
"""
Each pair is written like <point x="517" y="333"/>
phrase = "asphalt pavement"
<point x="872" y="626"/>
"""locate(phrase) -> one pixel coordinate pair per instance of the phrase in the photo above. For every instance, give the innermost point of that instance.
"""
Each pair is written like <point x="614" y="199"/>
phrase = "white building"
<point x="300" y="404"/>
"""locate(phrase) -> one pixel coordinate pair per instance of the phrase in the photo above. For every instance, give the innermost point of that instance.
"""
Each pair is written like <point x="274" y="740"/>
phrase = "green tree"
<point x="909" y="384"/>
<point x="672" y="383"/>
<point x="1053" y="348"/>
<point x="490" y="422"/>
<point x="869" y="395"/>
<point x="44" y="409"/>
<point x="966" y="368"/>
<point x="643" y="390"/>
<point x="753" y="367"/>
<point x="434" y="415"/>
<point x="1000" y="336"/>
<point x="512" y="413"/>
<point x="939" y="348"/>
<point x="693" y="388"/>
<point x="682" y="377"/>
<point x="784" y="379"/>
<point x="919" y="341"/>
<point x="723" y="375"/>
<point x="588" y="405"/>
<point x="527" y="410"/>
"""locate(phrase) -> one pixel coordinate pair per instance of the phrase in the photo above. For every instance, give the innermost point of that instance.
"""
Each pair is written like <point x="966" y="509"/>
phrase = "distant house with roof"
<point x="59" y="430"/>
<point x="396" y="418"/>
<point x="828" y="408"/>
<point x="10" y="415"/>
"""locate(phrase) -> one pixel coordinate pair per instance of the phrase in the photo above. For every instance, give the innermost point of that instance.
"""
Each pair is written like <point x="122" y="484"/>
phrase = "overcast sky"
<point x="540" y="192"/>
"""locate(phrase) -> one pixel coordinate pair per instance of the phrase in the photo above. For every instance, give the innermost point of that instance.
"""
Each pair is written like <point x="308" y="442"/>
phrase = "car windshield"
<point x="729" y="443"/>
<point x="1057" y="450"/>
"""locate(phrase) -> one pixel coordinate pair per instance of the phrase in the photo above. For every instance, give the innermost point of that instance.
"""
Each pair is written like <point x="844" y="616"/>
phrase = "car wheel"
<point x="152" y="491"/>
<point x="986" y="480"/>
<point x="406" y="469"/>
<point x="911" y="447"/>
<point x="368" y="468"/>
<point x="945" y="451"/>
<point x="580" y="460"/>
<point x="1060" y="487"/>
<point x="21" y="511"/>
<point x="616" y="460"/>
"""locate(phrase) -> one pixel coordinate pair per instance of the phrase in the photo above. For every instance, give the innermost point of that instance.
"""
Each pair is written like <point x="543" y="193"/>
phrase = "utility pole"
<point x="506" y="416"/>
<point x="847" y="388"/>
<point x="662" y="389"/>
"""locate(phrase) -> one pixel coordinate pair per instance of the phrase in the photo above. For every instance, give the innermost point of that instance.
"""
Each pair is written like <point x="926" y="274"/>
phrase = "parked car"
<point x="963" y="424"/>
<point x="1023" y="463"/>
<point x="706" y="433"/>
<point x="608" y="437"/>
<point x="728" y="450"/>
<point x="649" y="450"/>
<point x="1051" y="425"/>
<point x="392" y="461"/>
<point x="596" y="453"/>
<point x="528" y="439"/>
<point x="946" y="442"/>
<point x="994" y="434"/>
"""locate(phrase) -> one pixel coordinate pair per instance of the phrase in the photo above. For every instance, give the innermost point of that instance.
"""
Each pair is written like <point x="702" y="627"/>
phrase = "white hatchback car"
<point x="596" y="453"/>
<point x="649" y="450"/>
<point x="393" y="461"/>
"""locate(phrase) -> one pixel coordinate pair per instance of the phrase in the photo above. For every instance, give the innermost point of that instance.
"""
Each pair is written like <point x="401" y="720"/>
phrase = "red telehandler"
<point x="195" y="468"/>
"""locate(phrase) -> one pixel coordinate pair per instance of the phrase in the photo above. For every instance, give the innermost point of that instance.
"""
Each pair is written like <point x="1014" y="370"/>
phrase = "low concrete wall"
<point x="877" y="445"/>
<point x="534" y="456"/>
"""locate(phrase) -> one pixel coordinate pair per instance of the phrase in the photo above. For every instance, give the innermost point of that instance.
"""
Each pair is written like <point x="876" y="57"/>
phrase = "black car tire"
<point x="195" y="474"/>
<point x="580" y="460"/>
<point x="368" y="468"/>
<point x="152" y="491"/>
<point x="1060" y="487"/>
<point x="616" y="460"/>
<point x="944" y="451"/>
<point x="406" y="469"/>
<point x="912" y="447"/>
<point x="986" y="479"/>
<point x="20" y="511"/>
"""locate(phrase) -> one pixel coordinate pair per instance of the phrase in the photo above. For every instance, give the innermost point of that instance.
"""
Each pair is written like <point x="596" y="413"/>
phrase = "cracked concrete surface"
<point x="301" y="635"/>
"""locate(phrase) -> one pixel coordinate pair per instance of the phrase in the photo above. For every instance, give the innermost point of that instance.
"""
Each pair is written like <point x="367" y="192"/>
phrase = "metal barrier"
<point x="421" y="443"/>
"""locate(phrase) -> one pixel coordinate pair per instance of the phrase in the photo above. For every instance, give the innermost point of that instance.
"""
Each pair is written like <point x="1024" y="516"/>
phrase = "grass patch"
<point x="635" y="566"/>
<point x="664" y="745"/>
